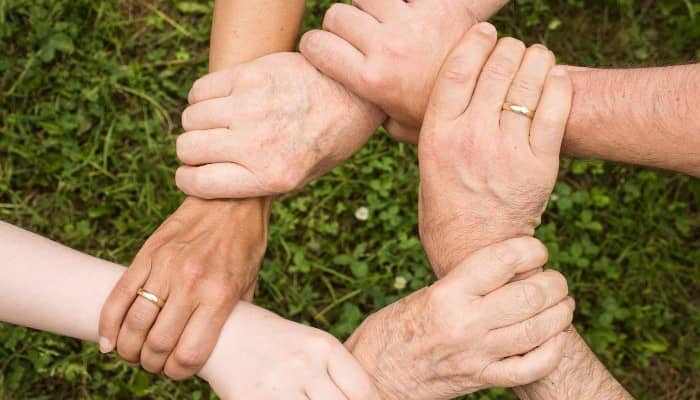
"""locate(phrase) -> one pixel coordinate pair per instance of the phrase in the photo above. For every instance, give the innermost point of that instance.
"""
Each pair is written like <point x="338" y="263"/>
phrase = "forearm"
<point x="639" y="116"/>
<point x="580" y="375"/>
<point x="50" y="287"/>
<point x="243" y="30"/>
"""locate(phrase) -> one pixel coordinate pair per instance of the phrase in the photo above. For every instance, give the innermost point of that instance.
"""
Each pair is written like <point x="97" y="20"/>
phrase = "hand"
<point x="472" y="329"/>
<point x="486" y="174"/>
<point x="390" y="52"/>
<point x="261" y="356"/>
<point x="201" y="261"/>
<point x="268" y="127"/>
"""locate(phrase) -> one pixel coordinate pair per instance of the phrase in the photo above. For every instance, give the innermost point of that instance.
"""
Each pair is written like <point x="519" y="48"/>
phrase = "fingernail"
<point x="559" y="71"/>
<point x="105" y="345"/>
<point x="539" y="46"/>
<point x="487" y="28"/>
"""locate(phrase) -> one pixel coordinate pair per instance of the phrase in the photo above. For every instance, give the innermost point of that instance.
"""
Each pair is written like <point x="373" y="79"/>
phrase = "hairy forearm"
<point x="580" y="375"/>
<point x="643" y="116"/>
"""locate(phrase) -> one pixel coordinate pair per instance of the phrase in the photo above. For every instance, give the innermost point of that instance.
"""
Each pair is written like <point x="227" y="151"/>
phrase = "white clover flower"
<point x="400" y="282"/>
<point x="362" y="214"/>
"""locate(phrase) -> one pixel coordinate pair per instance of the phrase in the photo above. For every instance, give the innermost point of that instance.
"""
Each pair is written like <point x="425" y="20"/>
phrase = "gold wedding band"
<point x="518" y="109"/>
<point x="151" y="297"/>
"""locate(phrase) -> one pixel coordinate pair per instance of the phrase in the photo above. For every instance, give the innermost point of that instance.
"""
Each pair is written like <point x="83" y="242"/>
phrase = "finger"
<point x="165" y="333"/>
<point x="140" y="318"/>
<point x="492" y="267"/>
<point x="120" y="300"/>
<point x="455" y="84"/>
<point x="323" y="388"/>
<point x="210" y="146"/>
<point x="526" y="91"/>
<point x="220" y="181"/>
<point x="352" y="25"/>
<point x="335" y="58"/>
<point x="552" y="114"/>
<point x="197" y="342"/>
<point x="402" y="133"/>
<point x="518" y="301"/>
<point x="524" y="336"/>
<point x="208" y="114"/>
<point x="349" y="376"/>
<point x="496" y="77"/>
<point x="213" y="85"/>
<point x="533" y="366"/>
<point x="380" y="9"/>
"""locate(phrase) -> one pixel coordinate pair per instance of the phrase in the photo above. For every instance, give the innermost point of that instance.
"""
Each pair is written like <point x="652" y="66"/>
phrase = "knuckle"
<point x="222" y="296"/>
<point x="507" y="254"/>
<point x="192" y="272"/>
<point x="138" y="320"/>
<point x="395" y="47"/>
<point x="526" y="86"/>
<point x="322" y="342"/>
<point x="455" y="71"/>
<point x="128" y="355"/>
<point x="182" y="148"/>
<point x="330" y="19"/>
<point x="516" y="377"/>
<point x="437" y="296"/>
<point x="561" y="285"/>
<point x="189" y="358"/>
<point x="288" y="180"/>
<point x="511" y="43"/>
<point x="195" y="91"/>
<point x="532" y="334"/>
<point x="161" y="344"/>
<point x="501" y="69"/>
<point x="535" y="251"/>
<point x="186" y="119"/>
<point x="530" y="295"/>
<point x="374" y="79"/>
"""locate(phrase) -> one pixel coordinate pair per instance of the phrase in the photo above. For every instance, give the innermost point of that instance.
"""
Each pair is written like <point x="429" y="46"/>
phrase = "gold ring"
<point x="151" y="297"/>
<point x="518" y="109"/>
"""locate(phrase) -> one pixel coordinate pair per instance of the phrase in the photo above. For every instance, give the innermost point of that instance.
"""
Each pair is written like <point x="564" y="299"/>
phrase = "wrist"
<point x="580" y="375"/>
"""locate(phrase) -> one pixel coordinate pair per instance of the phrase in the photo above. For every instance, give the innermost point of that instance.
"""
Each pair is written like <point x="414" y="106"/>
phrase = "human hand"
<point x="472" y="329"/>
<point x="201" y="260"/>
<point x="390" y="52"/>
<point x="268" y="127"/>
<point x="486" y="173"/>
<point x="264" y="357"/>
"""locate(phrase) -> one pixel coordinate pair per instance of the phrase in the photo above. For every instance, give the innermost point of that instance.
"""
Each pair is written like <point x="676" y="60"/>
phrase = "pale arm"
<point x="53" y="288"/>
<point x="646" y="116"/>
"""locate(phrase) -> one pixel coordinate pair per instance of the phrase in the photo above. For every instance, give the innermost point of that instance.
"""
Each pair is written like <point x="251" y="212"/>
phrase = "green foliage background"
<point x="90" y="96"/>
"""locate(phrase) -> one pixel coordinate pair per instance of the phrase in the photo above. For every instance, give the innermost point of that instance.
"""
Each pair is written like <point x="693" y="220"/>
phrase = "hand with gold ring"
<point x="489" y="147"/>
<point x="168" y="309"/>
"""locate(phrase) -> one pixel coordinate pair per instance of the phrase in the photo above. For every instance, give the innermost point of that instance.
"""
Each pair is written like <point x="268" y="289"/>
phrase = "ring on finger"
<point x="151" y="297"/>
<point x="518" y="109"/>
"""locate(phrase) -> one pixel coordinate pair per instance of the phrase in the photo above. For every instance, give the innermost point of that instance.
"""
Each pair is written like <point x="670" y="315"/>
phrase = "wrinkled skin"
<point x="486" y="173"/>
<point x="390" y="52"/>
<point x="268" y="127"/>
<point x="468" y="331"/>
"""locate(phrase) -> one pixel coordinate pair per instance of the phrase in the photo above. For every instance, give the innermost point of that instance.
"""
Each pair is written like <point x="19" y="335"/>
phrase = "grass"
<point x="90" y="96"/>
